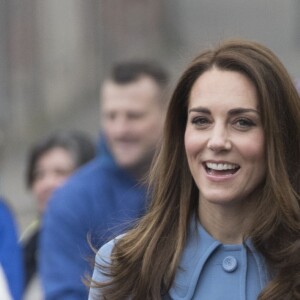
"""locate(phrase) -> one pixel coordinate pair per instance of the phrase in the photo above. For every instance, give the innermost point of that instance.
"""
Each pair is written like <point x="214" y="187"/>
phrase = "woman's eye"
<point x="200" y="121"/>
<point x="244" y="123"/>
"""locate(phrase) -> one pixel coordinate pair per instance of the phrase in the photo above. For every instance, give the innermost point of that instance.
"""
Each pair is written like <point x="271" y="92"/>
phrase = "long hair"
<point x="145" y="260"/>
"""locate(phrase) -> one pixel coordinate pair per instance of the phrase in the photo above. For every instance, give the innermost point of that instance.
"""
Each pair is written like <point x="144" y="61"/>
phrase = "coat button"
<point x="229" y="264"/>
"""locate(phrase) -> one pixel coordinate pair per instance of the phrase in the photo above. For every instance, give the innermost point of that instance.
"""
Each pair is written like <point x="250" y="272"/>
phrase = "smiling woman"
<point x="223" y="121"/>
<point x="224" y="220"/>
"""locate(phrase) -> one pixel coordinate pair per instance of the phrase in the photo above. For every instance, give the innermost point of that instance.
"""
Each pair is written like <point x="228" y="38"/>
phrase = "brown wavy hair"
<point x="145" y="260"/>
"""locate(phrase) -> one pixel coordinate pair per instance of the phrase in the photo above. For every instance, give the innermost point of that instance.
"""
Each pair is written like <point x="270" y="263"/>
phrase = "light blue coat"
<point x="208" y="269"/>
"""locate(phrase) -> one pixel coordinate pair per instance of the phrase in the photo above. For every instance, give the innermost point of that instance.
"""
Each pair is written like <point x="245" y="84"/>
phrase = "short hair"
<point x="79" y="144"/>
<point x="130" y="71"/>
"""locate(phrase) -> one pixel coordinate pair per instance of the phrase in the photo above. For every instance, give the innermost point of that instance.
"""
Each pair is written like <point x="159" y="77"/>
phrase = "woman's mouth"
<point x="221" y="168"/>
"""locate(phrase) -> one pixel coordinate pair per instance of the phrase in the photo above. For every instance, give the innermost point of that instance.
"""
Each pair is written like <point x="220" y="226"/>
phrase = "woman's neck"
<point x="226" y="224"/>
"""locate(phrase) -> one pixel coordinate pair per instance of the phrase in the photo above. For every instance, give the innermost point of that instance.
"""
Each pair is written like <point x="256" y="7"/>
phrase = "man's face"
<point x="132" y="119"/>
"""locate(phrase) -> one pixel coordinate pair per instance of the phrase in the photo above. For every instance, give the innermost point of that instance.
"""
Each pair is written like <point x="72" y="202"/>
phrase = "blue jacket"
<point x="10" y="252"/>
<point x="208" y="270"/>
<point x="97" y="203"/>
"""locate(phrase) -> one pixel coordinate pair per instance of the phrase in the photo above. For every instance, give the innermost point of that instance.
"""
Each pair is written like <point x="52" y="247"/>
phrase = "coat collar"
<point x="200" y="245"/>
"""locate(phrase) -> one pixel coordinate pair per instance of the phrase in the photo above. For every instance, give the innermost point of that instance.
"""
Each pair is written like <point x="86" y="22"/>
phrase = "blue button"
<point x="229" y="264"/>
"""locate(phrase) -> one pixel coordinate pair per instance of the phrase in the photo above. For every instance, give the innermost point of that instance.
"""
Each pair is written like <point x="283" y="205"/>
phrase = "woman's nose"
<point x="219" y="139"/>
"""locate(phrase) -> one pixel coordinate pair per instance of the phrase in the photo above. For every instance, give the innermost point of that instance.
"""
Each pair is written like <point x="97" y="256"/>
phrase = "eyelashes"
<point x="200" y="121"/>
<point x="244" y="123"/>
<point x="240" y="123"/>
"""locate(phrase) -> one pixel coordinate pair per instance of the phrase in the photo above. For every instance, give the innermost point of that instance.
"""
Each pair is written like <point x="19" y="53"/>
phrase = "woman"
<point x="224" y="220"/>
<point x="51" y="161"/>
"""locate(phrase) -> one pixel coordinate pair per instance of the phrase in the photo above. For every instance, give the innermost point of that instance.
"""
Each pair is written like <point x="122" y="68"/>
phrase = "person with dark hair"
<point x="224" y="216"/>
<point x="131" y="71"/>
<point x="11" y="264"/>
<point x="79" y="146"/>
<point x="51" y="161"/>
<point x="105" y="197"/>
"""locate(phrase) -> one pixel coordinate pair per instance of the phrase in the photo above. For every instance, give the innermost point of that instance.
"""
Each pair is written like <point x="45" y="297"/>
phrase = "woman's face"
<point x="224" y="138"/>
<point x="51" y="171"/>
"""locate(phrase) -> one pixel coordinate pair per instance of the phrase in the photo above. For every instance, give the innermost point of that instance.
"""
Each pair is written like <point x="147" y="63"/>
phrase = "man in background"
<point x="105" y="196"/>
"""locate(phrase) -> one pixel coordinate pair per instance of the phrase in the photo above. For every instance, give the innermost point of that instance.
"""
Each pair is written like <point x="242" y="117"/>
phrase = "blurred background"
<point x="54" y="53"/>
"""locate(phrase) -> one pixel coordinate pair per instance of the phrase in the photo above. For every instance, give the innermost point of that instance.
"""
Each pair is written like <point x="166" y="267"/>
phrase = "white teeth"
<point x="221" y="167"/>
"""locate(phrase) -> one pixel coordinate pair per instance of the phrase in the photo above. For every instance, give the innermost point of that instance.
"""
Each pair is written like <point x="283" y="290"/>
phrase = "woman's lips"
<point x="221" y="168"/>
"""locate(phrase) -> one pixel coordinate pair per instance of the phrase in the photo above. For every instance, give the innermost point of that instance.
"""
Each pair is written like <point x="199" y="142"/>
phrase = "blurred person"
<point x="11" y="263"/>
<point x="224" y="218"/>
<point x="51" y="161"/>
<point x="105" y="196"/>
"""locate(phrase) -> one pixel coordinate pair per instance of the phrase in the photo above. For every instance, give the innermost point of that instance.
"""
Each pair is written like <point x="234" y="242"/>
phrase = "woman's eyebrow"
<point x="200" y="109"/>
<point x="241" y="110"/>
<point x="234" y="111"/>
